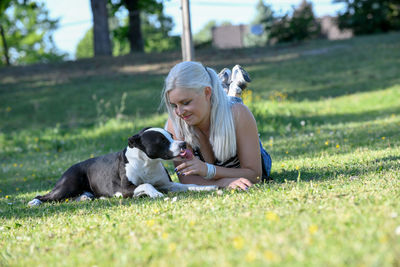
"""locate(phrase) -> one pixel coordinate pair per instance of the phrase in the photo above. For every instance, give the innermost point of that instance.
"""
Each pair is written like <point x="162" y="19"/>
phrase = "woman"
<point x="221" y="133"/>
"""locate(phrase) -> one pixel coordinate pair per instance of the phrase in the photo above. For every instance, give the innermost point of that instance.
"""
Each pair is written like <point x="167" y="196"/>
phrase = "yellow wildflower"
<point x="271" y="216"/>
<point x="172" y="247"/>
<point x="164" y="236"/>
<point x="238" y="242"/>
<point x="250" y="256"/>
<point x="313" y="229"/>
<point x="150" y="223"/>
<point x="269" y="255"/>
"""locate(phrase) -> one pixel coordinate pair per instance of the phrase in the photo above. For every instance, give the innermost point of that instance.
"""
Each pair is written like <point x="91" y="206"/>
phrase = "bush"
<point x="302" y="25"/>
<point x="370" y="16"/>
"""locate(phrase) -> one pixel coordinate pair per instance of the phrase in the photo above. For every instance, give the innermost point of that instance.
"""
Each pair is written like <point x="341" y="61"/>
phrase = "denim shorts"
<point x="266" y="163"/>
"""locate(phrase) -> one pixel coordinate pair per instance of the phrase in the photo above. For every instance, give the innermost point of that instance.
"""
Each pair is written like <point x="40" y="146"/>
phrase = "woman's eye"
<point x="186" y="103"/>
<point x="173" y="105"/>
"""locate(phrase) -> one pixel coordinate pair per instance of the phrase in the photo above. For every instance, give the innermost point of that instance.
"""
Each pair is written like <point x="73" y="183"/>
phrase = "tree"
<point x="261" y="25"/>
<point x="3" y="6"/>
<point x="27" y="33"/>
<point x="304" y="23"/>
<point x="204" y="36"/>
<point x="156" y="32"/>
<point x="85" y="47"/>
<point x="101" y="33"/>
<point x="301" y="25"/>
<point x="370" y="16"/>
<point x="135" y="8"/>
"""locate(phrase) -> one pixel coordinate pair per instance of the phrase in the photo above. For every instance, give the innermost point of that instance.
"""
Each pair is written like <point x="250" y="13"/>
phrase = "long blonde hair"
<point x="194" y="76"/>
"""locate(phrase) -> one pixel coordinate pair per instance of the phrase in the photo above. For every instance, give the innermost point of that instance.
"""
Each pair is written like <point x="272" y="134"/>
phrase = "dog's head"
<point x="157" y="143"/>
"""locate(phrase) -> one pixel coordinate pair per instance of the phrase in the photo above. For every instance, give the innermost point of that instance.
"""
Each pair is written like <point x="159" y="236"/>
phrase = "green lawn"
<point x="327" y="112"/>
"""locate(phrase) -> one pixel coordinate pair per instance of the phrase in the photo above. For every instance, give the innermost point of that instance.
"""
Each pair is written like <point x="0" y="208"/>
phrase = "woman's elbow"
<point x="256" y="177"/>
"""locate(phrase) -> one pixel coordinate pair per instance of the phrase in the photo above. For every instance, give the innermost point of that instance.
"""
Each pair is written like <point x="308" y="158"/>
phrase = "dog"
<point x="135" y="171"/>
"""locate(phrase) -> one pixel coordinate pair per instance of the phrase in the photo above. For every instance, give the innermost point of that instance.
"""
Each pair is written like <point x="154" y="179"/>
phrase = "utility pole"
<point x="186" y="38"/>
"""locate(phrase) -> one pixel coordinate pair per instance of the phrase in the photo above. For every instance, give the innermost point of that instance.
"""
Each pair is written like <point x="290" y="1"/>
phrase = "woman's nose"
<point x="179" y="111"/>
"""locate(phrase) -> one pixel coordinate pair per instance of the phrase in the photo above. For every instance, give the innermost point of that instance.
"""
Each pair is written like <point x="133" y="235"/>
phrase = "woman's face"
<point x="192" y="107"/>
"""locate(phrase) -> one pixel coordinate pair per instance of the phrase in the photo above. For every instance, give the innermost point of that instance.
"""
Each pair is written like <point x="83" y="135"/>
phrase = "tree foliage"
<point x="155" y="28"/>
<point x="263" y="22"/>
<point x="301" y="25"/>
<point x="136" y="8"/>
<point x="370" y="16"/>
<point x="28" y="32"/>
<point x="156" y="33"/>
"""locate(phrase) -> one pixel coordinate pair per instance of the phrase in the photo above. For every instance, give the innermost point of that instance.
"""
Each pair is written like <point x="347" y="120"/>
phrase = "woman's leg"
<point x="237" y="81"/>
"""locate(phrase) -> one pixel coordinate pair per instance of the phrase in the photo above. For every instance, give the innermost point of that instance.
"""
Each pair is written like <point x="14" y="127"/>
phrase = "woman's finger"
<point x="246" y="182"/>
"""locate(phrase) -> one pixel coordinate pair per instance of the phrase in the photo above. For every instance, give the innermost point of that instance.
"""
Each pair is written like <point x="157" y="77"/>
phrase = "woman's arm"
<point x="248" y="151"/>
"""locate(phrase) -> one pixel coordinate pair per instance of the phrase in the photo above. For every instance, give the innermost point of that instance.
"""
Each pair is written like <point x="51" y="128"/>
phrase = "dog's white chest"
<point x="140" y="170"/>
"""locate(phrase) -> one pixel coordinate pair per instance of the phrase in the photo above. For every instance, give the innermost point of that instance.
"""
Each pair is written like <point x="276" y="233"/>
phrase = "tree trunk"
<point x="5" y="47"/>
<point x="101" y="32"/>
<point x="135" y="30"/>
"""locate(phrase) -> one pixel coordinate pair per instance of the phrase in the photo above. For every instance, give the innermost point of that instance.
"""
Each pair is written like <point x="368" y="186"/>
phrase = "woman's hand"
<point x="192" y="167"/>
<point x="235" y="183"/>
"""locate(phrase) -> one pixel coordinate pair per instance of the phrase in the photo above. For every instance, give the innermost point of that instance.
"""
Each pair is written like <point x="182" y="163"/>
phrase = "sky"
<point x="76" y="16"/>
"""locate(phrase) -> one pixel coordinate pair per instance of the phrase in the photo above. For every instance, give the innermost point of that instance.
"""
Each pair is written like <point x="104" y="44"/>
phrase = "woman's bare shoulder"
<point x="241" y="112"/>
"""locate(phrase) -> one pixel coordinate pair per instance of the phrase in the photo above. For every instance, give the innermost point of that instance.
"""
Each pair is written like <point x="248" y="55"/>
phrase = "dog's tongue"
<point x="186" y="154"/>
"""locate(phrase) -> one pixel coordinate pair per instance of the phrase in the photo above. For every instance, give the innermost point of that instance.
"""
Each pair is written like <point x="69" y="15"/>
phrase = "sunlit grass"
<point x="330" y="122"/>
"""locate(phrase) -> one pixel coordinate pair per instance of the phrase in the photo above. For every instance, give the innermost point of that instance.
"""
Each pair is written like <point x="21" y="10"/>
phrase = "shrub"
<point x="301" y="25"/>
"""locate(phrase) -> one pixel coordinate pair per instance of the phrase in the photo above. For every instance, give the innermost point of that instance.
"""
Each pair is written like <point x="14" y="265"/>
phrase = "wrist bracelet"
<point x="211" y="170"/>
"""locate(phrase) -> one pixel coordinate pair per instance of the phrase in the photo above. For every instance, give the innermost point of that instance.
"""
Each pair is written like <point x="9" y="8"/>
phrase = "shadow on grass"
<point x="20" y="210"/>
<point x="352" y="172"/>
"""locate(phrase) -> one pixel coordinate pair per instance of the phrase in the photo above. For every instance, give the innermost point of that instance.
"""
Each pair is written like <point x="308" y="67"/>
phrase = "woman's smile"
<point x="186" y="117"/>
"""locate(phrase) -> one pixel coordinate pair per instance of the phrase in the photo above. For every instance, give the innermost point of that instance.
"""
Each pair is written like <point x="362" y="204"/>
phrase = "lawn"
<point x="327" y="112"/>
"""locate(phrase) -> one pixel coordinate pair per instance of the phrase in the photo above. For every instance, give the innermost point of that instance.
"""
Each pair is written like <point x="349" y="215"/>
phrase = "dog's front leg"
<point x="146" y="189"/>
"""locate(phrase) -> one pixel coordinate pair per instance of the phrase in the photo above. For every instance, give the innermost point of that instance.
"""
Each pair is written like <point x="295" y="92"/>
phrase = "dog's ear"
<point x="144" y="129"/>
<point x="134" y="141"/>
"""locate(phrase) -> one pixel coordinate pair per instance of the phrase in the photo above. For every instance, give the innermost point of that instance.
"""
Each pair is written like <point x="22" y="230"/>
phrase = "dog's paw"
<point x="147" y="189"/>
<point x="156" y="194"/>
<point x="34" y="202"/>
<point x="118" y="195"/>
<point x="85" y="197"/>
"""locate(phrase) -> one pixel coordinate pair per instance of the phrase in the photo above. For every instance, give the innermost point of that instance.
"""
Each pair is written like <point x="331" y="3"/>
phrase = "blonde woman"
<point x="220" y="131"/>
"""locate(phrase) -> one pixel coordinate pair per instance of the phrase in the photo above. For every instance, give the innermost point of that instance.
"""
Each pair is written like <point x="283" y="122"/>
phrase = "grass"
<point x="327" y="112"/>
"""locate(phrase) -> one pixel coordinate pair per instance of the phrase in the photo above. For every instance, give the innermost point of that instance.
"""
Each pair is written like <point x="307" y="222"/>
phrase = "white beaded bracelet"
<point x="211" y="170"/>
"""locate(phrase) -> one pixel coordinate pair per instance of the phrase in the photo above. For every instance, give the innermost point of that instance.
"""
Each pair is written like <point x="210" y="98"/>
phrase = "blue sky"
<point x="76" y="17"/>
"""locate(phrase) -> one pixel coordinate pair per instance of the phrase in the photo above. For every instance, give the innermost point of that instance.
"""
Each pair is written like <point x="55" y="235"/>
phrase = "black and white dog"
<point x="135" y="171"/>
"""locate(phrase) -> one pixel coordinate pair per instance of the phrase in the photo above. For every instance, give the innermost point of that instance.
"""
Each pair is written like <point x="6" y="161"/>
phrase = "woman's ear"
<point x="208" y="92"/>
